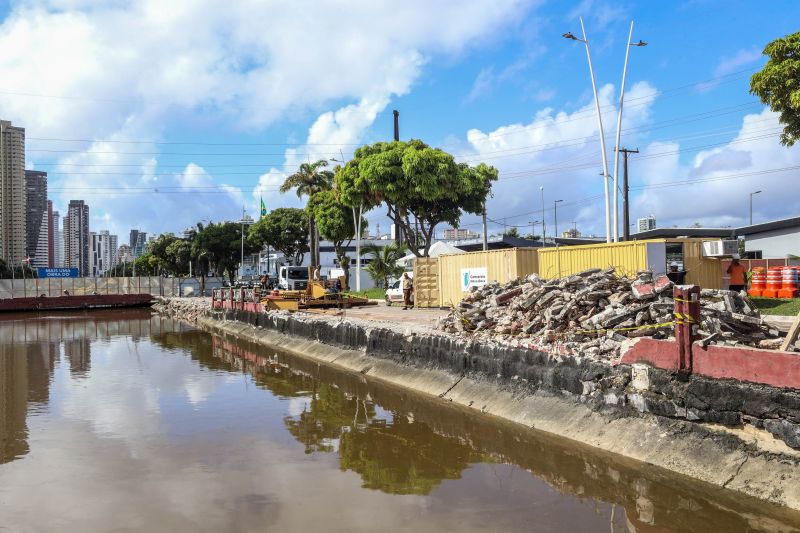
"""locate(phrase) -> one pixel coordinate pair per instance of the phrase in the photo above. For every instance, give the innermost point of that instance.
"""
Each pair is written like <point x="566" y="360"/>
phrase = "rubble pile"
<point x="594" y="312"/>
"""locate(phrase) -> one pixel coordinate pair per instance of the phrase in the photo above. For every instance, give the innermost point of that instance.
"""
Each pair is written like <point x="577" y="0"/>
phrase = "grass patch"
<point x="777" y="306"/>
<point x="374" y="293"/>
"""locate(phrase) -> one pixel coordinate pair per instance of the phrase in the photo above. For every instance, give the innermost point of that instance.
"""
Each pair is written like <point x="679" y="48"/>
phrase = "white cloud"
<point x="559" y="151"/>
<point x="725" y="176"/>
<point x="132" y="70"/>
<point x="730" y="65"/>
<point x="483" y="83"/>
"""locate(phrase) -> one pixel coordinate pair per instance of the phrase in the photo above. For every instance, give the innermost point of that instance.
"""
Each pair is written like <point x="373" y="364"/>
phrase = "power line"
<point x="658" y="185"/>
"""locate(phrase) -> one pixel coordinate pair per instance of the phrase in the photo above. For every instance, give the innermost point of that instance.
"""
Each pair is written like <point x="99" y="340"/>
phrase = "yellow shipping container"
<point x="458" y="272"/>
<point x="625" y="257"/>
<point x="629" y="257"/>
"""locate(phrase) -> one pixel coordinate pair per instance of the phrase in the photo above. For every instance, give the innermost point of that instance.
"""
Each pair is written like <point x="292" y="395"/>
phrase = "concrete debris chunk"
<point x="593" y="312"/>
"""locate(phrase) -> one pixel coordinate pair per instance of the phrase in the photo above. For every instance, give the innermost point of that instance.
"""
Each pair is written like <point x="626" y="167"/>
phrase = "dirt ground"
<point x="396" y="314"/>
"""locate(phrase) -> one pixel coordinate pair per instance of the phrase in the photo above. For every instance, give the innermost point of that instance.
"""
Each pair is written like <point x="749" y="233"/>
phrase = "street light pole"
<point x="555" y="216"/>
<point x="585" y="41"/>
<point x="751" y="206"/>
<point x="533" y="226"/>
<point x="619" y="132"/>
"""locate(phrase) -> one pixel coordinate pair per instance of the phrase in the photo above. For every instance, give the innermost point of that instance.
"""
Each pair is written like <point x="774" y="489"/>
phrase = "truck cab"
<point x="293" y="278"/>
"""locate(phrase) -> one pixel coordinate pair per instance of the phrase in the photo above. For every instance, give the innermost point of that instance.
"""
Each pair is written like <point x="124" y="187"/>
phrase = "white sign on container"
<point x="473" y="277"/>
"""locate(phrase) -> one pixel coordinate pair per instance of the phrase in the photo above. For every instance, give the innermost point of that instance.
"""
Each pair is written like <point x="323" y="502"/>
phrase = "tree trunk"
<point x="312" y="230"/>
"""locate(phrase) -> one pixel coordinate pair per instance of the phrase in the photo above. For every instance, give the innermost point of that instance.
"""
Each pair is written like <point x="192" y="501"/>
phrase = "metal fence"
<point x="157" y="286"/>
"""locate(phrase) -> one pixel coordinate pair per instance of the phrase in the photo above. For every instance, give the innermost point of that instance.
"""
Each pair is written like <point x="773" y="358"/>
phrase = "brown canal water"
<point x="125" y="421"/>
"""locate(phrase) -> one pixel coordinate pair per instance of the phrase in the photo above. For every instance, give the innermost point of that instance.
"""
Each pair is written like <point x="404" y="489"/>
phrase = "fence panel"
<point x="52" y="287"/>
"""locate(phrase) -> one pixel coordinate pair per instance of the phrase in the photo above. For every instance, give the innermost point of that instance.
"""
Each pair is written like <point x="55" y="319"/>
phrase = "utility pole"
<point x="625" y="188"/>
<point x="544" y="228"/>
<point x="398" y="233"/>
<point x="485" y="234"/>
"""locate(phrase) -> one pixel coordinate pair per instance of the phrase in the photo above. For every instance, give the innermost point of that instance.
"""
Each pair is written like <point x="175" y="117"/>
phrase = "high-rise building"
<point x="36" y="220"/>
<point x="103" y="252"/>
<point x="58" y="240"/>
<point x="138" y="242"/>
<point x="13" y="238"/>
<point x="51" y="237"/>
<point x="647" y="223"/>
<point x="124" y="255"/>
<point x="76" y="237"/>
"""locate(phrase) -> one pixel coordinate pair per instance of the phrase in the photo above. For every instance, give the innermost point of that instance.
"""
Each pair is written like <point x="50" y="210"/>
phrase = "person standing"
<point x="408" y="286"/>
<point x="736" y="271"/>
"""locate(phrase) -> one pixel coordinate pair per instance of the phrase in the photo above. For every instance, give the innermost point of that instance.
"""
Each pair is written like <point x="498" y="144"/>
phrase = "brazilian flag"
<point x="263" y="208"/>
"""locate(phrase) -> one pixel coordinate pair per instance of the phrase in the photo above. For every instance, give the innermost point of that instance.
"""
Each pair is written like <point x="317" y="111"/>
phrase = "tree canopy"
<point x="778" y="84"/>
<point x="170" y="254"/>
<point x="423" y="186"/>
<point x="222" y="245"/>
<point x="285" y="229"/>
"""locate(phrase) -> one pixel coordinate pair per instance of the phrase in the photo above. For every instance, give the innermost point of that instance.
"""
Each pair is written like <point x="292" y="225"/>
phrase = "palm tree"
<point x="307" y="181"/>
<point x="383" y="261"/>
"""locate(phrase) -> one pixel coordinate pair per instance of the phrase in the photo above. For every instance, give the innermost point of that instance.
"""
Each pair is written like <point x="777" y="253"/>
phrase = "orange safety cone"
<point x="774" y="282"/>
<point x="758" y="282"/>
<point x="789" y="287"/>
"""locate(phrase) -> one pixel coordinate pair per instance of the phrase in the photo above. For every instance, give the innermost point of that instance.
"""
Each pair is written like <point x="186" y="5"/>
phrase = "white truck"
<point x="293" y="278"/>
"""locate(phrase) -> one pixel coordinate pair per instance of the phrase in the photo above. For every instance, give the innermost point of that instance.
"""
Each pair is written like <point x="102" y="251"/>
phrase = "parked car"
<point x="394" y="294"/>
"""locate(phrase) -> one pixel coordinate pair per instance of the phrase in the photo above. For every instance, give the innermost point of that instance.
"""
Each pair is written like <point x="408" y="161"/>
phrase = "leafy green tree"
<point x="511" y="232"/>
<point x="285" y="229"/>
<point x="383" y="261"/>
<point x="335" y="223"/>
<point x="19" y="271"/>
<point x="145" y="265"/>
<point x="419" y="185"/>
<point x="221" y="245"/>
<point x="179" y="254"/>
<point x="309" y="180"/>
<point x="158" y="252"/>
<point x="778" y="84"/>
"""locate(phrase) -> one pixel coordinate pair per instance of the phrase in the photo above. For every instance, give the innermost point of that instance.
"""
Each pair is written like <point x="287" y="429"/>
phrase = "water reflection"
<point x="31" y="347"/>
<point x="418" y="444"/>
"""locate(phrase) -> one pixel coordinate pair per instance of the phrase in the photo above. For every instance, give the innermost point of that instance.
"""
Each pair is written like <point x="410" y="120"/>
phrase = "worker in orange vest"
<point x="736" y="271"/>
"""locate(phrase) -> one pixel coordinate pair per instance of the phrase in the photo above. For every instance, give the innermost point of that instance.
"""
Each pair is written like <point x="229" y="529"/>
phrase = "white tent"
<point x="438" y="248"/>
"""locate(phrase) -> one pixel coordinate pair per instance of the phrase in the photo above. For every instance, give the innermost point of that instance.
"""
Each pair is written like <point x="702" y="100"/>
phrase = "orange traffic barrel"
<point x="774" y="282"/>
<point x="789" y="283"/>
<point x="758" y="281"/>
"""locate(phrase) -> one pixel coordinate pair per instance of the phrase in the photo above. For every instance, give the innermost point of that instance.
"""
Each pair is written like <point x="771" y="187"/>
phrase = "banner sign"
<point x="473" y="277"/>
<point x="44" y="272"/>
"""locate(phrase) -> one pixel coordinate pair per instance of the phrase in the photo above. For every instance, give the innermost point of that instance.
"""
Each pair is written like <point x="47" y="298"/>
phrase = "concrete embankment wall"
<point x="712" y="430"/>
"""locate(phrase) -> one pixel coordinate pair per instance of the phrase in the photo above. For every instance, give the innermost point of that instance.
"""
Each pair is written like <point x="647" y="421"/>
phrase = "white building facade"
<point x="103" y="252"/>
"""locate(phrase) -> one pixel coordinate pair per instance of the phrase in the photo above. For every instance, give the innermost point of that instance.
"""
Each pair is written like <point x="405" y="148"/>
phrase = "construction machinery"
<point x="317" y="294"/>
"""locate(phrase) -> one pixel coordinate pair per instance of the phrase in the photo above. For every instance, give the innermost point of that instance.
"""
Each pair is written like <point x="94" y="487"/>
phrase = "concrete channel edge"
<point x="639" y="425"/>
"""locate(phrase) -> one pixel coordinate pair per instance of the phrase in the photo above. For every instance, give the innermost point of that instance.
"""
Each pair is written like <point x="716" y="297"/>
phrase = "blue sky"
<point x="262" y="87"/>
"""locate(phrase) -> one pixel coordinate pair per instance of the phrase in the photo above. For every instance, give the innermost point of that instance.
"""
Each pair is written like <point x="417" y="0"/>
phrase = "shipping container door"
<point x="426" y="282"/>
